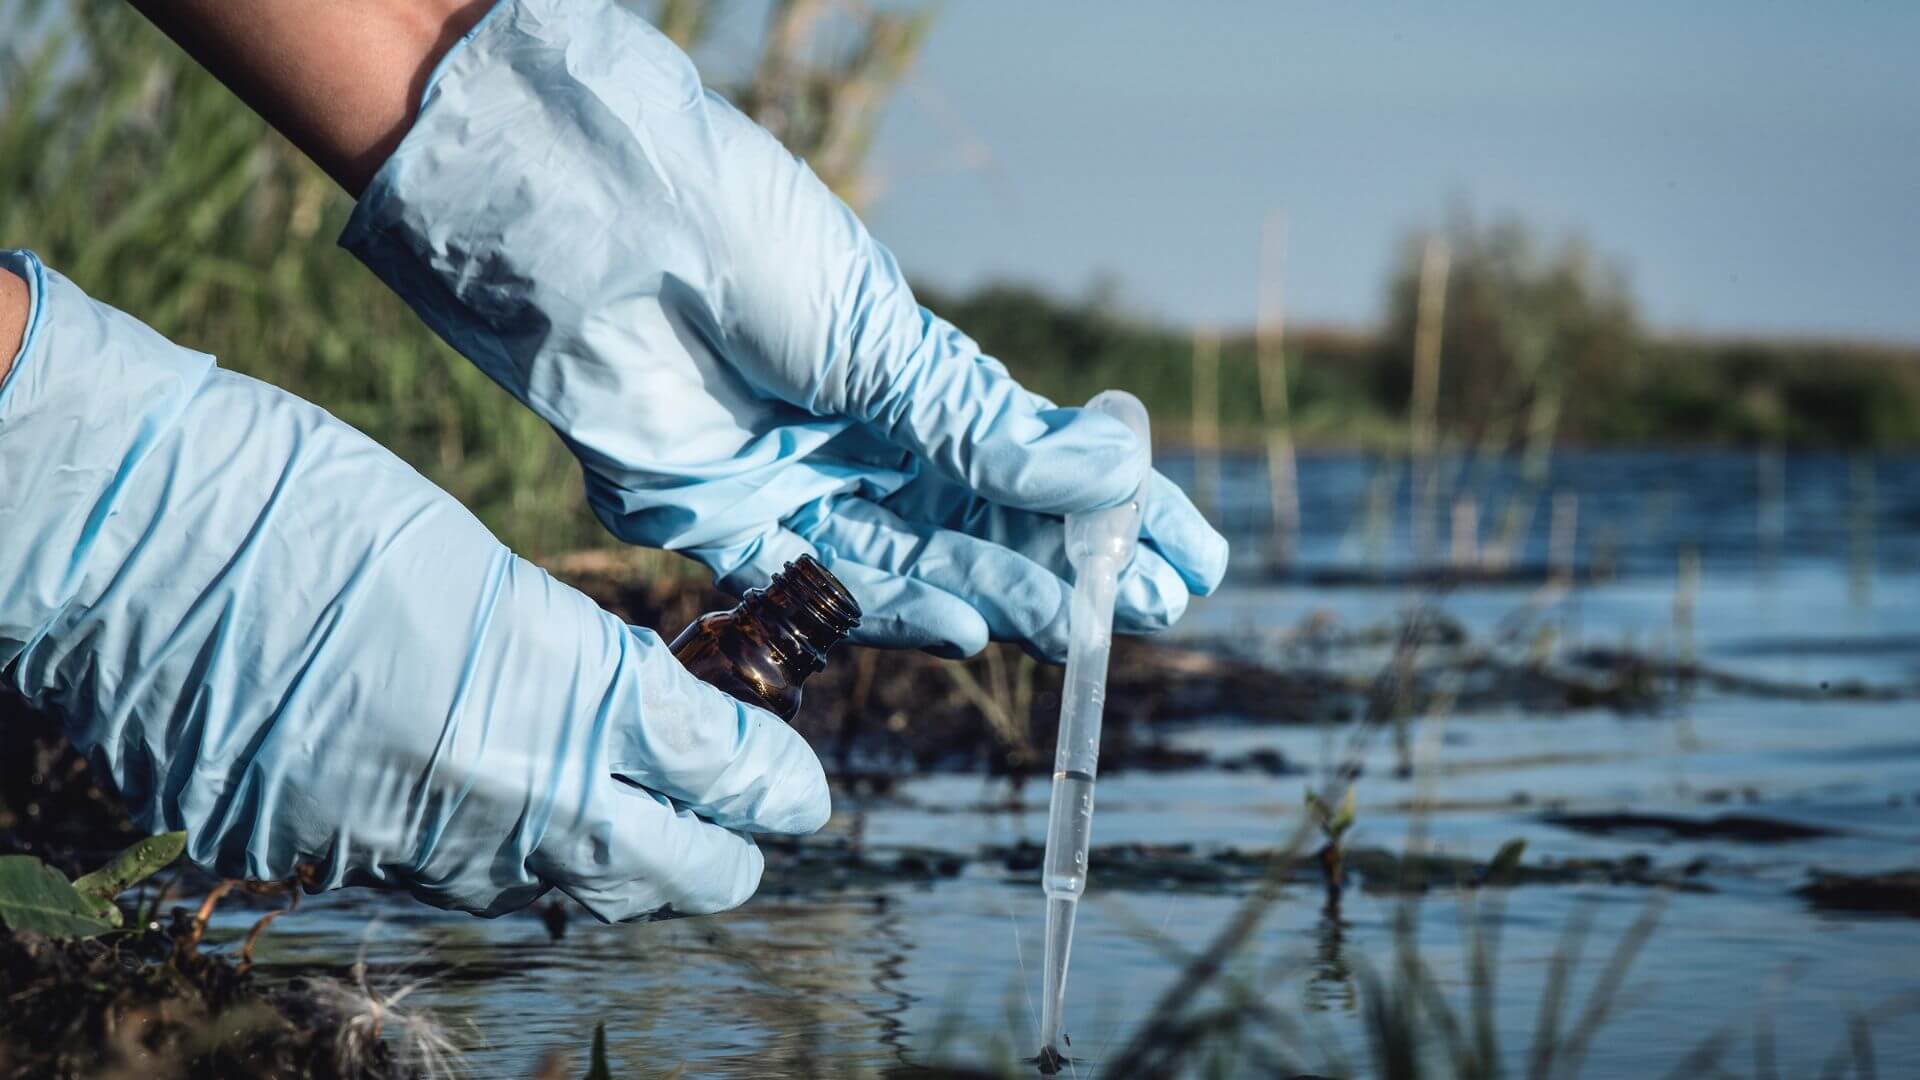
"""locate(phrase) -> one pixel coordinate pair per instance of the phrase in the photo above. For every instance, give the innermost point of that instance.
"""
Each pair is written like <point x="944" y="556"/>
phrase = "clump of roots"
<point x="375" y="1020"/>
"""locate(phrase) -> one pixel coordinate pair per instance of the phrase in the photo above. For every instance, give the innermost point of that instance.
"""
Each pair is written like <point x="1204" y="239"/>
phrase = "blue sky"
<point x="1753" y="166"/>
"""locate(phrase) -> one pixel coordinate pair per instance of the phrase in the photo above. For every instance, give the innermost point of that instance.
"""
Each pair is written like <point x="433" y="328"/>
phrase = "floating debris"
<point x="1896" y="892"/>
<point x="796" y="865"/>
<point x="1185" y="868"/>
<point x="1739" y="828"/>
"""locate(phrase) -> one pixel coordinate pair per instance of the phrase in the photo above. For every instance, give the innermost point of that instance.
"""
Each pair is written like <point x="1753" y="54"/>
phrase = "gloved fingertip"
<point x="947" y="650"/>
<point x="662" y="863"/>
<point x="745" y="881"/>
<point x="1047" y="648"/>
<point x="729" y="880"/>
<point x="1153" y="595"/>
<point x="949" y="642"/>
<point x="1209" y="566"/>
<point x="898" y="612"/>
<point x="1181" y="534"/>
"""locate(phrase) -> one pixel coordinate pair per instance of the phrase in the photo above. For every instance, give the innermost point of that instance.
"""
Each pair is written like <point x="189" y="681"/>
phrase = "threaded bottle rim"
<point x="806" y="588"/>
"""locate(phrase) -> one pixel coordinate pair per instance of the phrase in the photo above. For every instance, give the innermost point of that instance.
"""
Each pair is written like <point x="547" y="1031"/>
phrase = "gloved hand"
<point x="275" y="635"/>
<point x="739" y="366"/>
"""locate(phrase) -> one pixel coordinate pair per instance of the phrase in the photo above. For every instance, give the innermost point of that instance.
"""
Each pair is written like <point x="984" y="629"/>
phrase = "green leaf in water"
<point x="1333" y="822"/>
<point x="37" y="898"/>
<point x="1506" y="861"/>
<point x="597" y="1063"/>
<point x="1343" y="817"/>
<point x="132" y="866"/>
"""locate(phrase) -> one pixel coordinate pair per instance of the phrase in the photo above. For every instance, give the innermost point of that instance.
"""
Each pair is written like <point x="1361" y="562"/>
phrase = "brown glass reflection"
<point x="766" y="646"/>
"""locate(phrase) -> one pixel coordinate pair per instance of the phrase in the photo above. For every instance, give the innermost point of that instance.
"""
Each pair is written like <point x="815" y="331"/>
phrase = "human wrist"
<point x="342" y="81"/>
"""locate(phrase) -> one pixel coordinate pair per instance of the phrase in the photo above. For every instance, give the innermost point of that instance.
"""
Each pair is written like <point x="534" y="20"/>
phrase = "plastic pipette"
<point x="1100" y="543"/>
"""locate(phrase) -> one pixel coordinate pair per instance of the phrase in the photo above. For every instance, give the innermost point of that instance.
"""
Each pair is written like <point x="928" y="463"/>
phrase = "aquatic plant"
<point x="37" y="898"/>
<point x="1004" y="701"/>
<point x="1333" y="824"/>
<point x="597" y="1055"/>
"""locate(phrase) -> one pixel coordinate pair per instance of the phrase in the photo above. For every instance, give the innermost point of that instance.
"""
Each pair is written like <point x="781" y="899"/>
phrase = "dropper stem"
<point x="1100" y="543"/>
<point x="1060" y="913"/>
<point x="1076" y="765"/>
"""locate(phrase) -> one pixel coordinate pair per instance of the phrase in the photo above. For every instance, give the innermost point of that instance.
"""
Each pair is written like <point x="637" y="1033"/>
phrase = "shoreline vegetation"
<point x="1349" y="386"/>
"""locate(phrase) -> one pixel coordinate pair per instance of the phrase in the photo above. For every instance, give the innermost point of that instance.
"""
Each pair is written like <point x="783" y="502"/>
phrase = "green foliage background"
<point x="136" y="174"/>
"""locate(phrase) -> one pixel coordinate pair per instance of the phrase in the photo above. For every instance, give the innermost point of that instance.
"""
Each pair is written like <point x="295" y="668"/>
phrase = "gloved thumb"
<point x="734" y="765"/>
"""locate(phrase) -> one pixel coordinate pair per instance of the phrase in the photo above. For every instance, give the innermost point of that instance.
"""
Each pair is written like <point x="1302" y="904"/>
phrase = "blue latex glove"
<point x="275" y="635"/>
<point x="739" y="366"/>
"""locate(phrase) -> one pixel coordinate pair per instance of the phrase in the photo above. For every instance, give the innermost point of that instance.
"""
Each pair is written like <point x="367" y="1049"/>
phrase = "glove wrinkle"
<point x="422" y="801"/>
<point x="284" y="641"/>
<point x="721" y="342"/>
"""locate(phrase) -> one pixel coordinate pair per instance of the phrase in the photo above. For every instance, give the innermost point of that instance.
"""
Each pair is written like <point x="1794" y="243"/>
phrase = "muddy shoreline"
<point x="139" y="1003"/>
<point x="877" y="718"/>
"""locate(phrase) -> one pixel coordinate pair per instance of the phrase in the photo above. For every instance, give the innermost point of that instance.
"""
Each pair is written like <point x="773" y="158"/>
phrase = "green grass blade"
<point x="1703" y="1057"/>
<point x="597" y="1060"/>
<point x="1606" y="992"/>
<point x="1546" y="1028"/>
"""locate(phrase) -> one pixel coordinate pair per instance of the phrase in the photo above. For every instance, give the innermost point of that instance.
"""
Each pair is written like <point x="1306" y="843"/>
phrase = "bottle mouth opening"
<point x="808" y="586"/>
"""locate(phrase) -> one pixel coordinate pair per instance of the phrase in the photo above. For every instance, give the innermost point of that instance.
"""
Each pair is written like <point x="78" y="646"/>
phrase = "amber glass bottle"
<point x="762" y="650"/>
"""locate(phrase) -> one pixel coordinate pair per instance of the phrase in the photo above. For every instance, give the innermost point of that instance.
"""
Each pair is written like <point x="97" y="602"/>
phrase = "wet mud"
<point x="137" y="1004"/>
<point x="797" y="867"/>
<point x="1893" y="893"/>
<point x="1735" y="828"/>
<point x="872" y="715"/>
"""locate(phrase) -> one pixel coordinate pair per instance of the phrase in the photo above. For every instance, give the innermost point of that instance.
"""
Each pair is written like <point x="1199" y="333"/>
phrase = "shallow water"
<point x="1803" y="578"/>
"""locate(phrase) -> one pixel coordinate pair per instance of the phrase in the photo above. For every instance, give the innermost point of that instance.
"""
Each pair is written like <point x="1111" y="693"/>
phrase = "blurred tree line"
<point x="143" y="179"/>
<point x="1537" y="337"/>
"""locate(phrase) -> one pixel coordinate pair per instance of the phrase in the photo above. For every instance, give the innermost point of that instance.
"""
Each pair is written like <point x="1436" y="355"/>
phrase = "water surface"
<point x="1809" y="571"/>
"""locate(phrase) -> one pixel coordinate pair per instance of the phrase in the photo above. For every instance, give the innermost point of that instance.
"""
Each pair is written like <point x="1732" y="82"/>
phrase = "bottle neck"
<point x="801" y="614"/>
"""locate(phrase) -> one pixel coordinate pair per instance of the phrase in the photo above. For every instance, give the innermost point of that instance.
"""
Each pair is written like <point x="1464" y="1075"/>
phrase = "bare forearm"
<point x="13" y="319"/>
<point x="341" y="79"/>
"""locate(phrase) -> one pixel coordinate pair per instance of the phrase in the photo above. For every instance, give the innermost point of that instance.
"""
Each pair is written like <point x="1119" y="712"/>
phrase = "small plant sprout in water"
<point x="1333" y="824"/>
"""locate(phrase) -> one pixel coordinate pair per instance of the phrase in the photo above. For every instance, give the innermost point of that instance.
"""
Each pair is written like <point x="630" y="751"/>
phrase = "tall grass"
<point x="1276" y="409"/>
<point x="135" y="173"/>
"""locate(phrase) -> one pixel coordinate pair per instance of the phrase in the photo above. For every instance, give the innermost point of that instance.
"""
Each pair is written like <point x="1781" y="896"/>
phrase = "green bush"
<point x="136" y="174"/>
